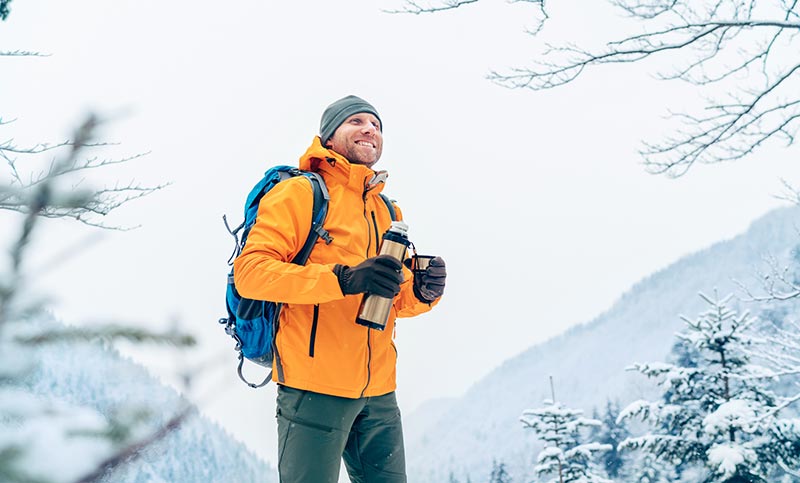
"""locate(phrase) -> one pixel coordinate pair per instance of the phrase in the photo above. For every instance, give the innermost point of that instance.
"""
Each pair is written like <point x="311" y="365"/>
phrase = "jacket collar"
<point x="337" y="169"/>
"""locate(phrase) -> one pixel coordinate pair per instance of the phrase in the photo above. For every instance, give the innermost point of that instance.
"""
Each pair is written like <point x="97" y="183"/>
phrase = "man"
<point x="336" y="378"/>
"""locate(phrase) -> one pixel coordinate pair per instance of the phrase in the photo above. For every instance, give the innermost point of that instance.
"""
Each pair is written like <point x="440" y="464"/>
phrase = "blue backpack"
<point x="253" y="324"/>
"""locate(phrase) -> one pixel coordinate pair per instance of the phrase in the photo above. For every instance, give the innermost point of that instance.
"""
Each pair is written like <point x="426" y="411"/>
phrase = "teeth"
<point x="364" y="143"/>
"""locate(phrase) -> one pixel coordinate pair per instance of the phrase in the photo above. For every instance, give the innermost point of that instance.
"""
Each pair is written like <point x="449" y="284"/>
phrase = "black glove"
<point x="379" y="275"/>
<point x="429" y="286"/>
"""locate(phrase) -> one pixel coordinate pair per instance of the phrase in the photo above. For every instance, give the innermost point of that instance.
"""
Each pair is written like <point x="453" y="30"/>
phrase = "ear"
<point x="328" y="143"/>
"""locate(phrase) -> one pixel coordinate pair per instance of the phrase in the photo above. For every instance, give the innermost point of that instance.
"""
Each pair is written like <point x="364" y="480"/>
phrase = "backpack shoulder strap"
<point x="318" y="214"/>
<point x="390" y="206"/>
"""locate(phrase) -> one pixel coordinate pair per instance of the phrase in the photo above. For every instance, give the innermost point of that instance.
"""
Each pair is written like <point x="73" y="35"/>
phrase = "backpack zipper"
<point x="313" y="340"/>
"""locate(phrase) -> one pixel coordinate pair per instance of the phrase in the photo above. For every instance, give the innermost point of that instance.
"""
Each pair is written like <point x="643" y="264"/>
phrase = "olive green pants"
<point x="317" y="431"/>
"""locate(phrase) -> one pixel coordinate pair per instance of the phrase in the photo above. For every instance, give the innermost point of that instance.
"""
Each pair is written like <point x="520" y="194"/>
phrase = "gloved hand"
<point x="379" y="275"/>
<point x="430" y="285"/>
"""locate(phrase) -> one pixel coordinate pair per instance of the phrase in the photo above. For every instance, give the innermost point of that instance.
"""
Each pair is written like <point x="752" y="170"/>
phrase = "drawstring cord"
<point x="235" y="234"/>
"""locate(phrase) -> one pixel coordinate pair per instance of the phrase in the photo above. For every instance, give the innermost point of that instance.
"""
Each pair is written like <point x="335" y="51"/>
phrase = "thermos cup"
<point x="374" y="312"/>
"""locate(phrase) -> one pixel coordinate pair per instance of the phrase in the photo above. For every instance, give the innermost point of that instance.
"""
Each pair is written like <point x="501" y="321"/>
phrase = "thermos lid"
<point x="399" y="227"/>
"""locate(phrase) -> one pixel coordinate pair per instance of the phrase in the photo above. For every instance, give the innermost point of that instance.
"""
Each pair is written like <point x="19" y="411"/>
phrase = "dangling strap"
<point x="278" y="364"/>
<point x="235" y="234"/>
<point x="251" y="384"/>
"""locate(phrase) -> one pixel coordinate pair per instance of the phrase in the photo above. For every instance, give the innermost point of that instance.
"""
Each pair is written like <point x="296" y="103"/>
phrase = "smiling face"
<point x="359" y="139"/>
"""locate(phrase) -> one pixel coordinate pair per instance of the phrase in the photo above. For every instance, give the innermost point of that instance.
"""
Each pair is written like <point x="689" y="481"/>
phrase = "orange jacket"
<point x="321" y="347"/>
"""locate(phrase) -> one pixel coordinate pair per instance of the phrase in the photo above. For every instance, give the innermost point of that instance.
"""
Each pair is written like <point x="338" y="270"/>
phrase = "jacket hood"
<point x="336" y="168"/>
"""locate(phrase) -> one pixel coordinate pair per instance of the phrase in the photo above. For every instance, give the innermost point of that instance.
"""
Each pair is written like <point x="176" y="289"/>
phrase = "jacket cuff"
<point x="341" y="275"/>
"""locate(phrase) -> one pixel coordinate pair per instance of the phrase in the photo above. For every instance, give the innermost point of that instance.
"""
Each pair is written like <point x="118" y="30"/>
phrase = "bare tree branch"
<point x="39" y="199"/>
<point x="134" y="450"/>
<point x="87" y="209"/>
<point x="778" y="283"/>
<point x="791" y="193"/>
<point x="741" y="53"/>
<point x="416" y="8"/>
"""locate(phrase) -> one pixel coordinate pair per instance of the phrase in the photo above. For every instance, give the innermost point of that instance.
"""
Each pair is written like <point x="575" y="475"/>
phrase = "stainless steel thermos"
<point x="374" y="312"/>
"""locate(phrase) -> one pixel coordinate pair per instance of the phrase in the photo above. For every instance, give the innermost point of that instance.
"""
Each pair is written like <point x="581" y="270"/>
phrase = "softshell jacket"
<point x="321" y="348"/>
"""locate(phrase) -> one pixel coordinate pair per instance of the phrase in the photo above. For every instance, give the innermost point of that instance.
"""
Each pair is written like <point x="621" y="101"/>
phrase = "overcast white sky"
<point x="537" y="200"/>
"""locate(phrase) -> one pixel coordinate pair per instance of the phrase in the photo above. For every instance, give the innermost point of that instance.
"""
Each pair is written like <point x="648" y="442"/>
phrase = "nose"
<point x="368" y="128"/>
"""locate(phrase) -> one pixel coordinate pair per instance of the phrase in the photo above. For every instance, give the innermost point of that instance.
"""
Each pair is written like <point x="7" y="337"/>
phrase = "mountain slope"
<point x="588" y="362"/>
<point x="89" y="374"/>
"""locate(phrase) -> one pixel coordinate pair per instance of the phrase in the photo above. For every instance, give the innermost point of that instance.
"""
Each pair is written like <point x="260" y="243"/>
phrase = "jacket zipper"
<point x="369" y="234"/>
<point x="377" y="240"/>
<point x="312" y="343"/>
<point x="369" y="246"/>
<point x="369" y="359"/>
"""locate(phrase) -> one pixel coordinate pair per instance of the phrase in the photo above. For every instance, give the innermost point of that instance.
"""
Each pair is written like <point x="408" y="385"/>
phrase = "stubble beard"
<point x="356" y="157"/>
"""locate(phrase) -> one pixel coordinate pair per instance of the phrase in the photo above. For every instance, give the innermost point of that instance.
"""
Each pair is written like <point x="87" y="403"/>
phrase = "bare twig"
<point x="134" y="450"/>
<point x="95" y="203"/>
<point x="414" y="7"/>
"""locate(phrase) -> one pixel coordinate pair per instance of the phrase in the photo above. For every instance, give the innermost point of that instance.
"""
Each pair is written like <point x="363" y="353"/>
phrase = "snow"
<point x="724" y="458"/>
<point x="550" y="452"/>
<point x="736" y="414"/>
<point x="635" y="408"/>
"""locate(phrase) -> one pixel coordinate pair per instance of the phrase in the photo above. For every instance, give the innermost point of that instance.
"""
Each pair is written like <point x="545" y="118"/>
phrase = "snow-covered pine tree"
<point x="565" y="457"/>
<point x="499" y="473"/>
<point x="611" y="432"/>
<point x="717" y="416"/>
<point x="650" y="470"/>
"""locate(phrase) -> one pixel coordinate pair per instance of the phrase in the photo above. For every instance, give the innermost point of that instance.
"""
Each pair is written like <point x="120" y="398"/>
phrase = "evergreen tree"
<point x="718" y="415"/>
<point x="650" y="470"/>
<point x="4" y="9"/>
<point x="611" y="432"/>
<point x="565" y="456"/>
<point x="499" y="473"/>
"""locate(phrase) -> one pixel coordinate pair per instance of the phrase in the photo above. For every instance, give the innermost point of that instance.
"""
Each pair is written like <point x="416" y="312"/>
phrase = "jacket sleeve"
<point x="263" y="271"/>
<point x="406" y="303"/>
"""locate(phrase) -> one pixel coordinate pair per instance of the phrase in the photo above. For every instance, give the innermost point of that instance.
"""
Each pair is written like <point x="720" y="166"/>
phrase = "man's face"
<point x="359" y="139"/>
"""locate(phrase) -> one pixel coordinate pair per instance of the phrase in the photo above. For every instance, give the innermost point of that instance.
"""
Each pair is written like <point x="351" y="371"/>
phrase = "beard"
<point x="359" y="155"/>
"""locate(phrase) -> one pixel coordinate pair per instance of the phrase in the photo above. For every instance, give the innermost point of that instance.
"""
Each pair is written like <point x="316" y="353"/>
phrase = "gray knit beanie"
<point x="336" y="113"/>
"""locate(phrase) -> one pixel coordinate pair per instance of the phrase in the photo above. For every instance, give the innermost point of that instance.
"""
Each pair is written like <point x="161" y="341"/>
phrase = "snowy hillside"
<point x="91" y="375"/>
<point x="588" y="362"/>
